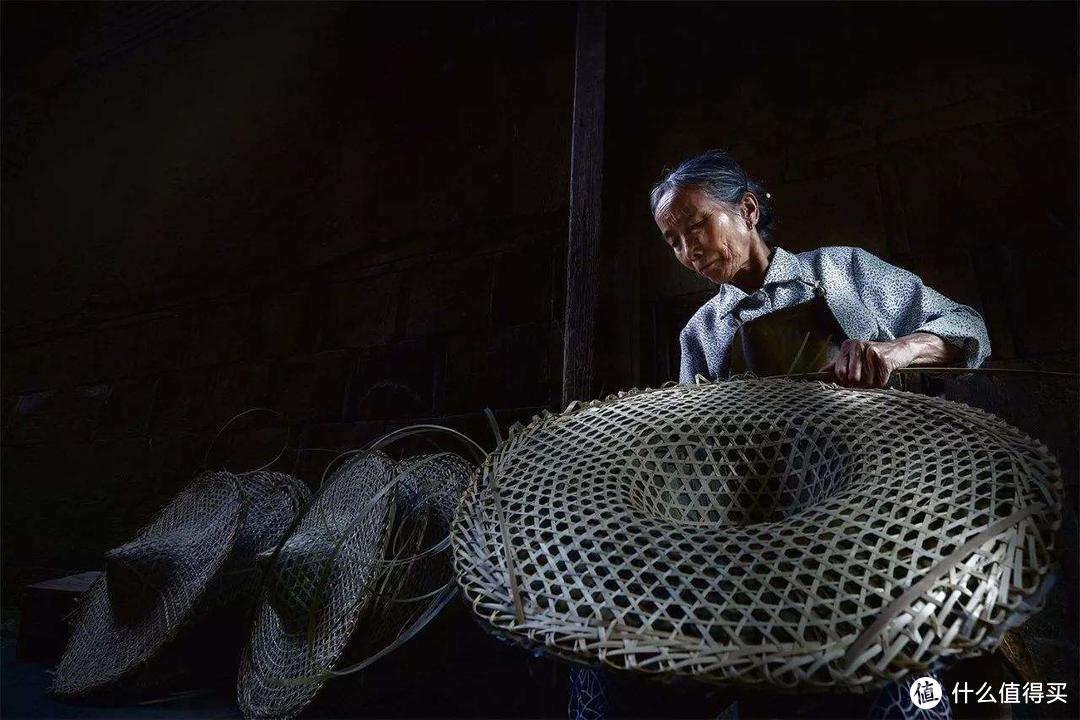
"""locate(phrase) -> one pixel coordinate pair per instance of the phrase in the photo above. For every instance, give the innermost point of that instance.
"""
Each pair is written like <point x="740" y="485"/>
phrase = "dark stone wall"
<point x="354" y="214"/>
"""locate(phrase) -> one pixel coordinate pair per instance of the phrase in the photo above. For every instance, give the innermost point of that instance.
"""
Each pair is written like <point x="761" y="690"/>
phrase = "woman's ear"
<point x="750" y="208"/>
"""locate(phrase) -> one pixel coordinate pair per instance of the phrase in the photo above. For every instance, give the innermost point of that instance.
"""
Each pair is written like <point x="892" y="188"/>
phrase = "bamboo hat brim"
<point x="798" y="535"/>
<point x="339" y="578"/>
<point x="315" y="589"/>
<point x="196" y="554"/>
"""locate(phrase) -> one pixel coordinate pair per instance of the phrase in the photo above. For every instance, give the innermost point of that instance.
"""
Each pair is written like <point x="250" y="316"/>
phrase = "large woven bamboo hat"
<point x="196" y="555"/>
<point x="364" y="568"/>
<point x="799" y="535"/>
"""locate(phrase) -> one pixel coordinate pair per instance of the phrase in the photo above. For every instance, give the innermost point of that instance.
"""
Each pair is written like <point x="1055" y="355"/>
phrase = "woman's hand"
<point x="869" y="363"/>
<point x="865" y="363"/>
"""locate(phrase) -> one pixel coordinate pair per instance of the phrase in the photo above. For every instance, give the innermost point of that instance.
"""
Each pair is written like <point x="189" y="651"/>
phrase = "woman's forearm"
<point x="870" y="363"/>
<point x="922" y="348"/>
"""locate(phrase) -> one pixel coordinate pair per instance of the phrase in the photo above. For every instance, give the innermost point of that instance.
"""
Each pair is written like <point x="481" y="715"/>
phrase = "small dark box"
<point x="44" y="616"/>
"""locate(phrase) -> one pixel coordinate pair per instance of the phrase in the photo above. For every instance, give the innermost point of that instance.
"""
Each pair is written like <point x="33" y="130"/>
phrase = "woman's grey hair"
<point x="721" y="178"/>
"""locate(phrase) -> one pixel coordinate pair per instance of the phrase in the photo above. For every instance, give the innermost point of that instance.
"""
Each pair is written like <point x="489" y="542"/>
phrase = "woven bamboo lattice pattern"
<point x="417" y="570"/>
<point x="196" y="555"/>
<point x="799" y="535"/>
<point x="417" y="575"/>
<point x="432" y="484"/>
<point x="356" y="558"/>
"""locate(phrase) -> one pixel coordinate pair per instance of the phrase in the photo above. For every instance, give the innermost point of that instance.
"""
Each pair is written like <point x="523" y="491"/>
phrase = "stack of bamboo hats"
<point x="364" y="568"/>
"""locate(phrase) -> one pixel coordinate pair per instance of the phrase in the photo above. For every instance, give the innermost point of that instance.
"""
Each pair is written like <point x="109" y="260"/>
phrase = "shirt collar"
<point x="783" y="267"/>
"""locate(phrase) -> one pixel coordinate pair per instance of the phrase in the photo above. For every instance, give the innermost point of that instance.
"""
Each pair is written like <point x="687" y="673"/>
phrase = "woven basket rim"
<point x="494" y="611"/>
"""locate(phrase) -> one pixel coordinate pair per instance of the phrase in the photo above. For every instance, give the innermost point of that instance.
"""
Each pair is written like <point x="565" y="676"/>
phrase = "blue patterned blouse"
<point x="871" y="299"/>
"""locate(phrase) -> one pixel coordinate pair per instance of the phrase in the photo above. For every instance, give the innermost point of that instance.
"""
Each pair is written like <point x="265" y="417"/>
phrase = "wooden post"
<point x="586" y="184"/>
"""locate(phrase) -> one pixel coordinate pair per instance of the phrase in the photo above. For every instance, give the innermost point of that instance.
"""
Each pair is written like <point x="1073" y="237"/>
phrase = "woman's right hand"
<point x="867" y="363"/>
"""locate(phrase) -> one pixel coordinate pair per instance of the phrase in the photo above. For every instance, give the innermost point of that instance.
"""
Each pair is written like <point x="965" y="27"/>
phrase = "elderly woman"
<point x="718" y="223"/>
<point x="774" y="310"/>
<point x="861" y="318"/>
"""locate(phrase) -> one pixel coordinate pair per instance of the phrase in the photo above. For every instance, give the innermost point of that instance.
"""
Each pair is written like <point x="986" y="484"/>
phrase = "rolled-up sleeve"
<point x="903" y="305"/>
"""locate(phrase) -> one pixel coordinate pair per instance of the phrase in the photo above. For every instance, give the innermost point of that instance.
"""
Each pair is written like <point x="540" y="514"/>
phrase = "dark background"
<point x="357" y="215"/>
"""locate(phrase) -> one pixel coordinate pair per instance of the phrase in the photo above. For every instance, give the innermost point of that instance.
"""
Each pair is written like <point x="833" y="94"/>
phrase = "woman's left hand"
<point x="867" y="363"/>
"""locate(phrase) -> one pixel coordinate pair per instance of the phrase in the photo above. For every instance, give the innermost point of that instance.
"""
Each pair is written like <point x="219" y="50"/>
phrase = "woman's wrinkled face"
<point x="708" y="236"/>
